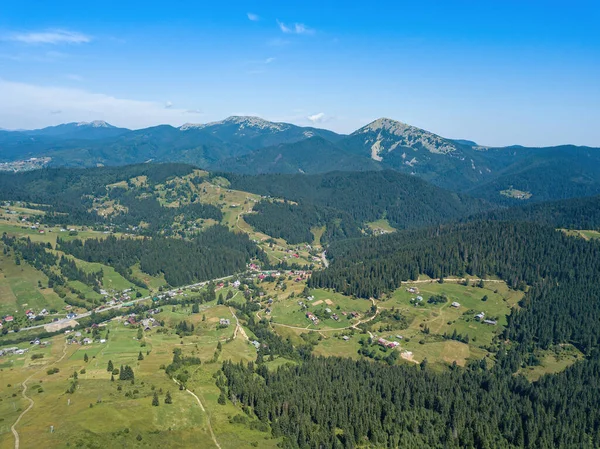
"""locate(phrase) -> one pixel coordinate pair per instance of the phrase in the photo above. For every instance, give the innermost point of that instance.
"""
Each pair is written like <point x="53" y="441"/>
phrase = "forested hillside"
<point x="344" y="403"/>
<point x="405" y="201"/>
<point x="574" y="213"/>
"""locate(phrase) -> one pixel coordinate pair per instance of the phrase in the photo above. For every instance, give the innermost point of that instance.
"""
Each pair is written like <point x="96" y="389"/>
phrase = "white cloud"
<point x="74" y="77"/>
<point x="253" y="17"/>
<point x="269" y="60"/>
<point x="50" y="37"/>
<point x="317" y="118"/>
<point x="296" y="28"/>
<point x="168" y="105"/>
<point x="31" y="106"/>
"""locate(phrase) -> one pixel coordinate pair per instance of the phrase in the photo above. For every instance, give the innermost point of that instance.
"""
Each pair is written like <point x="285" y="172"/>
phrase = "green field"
<point x="443" y="318"/>
<point x="586" y="234"/>
<point x="288" y="312"/>
<point x="19" y="289"/>
<point x="552" y="361"/>
<point x="381" y="226"/>
<point x="101" y="415"/>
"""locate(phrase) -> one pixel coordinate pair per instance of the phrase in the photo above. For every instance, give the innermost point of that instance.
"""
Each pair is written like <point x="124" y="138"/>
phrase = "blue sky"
<point x="497" y="72"/>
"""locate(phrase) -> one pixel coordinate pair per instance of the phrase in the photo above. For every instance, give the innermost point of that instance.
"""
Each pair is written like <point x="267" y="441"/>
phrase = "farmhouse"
<point x="455" y="304"/>
<point x="345" y="338"/>
<point x="311" y="317"/>
<point x="387" y="344"/>
<point x="490" y="322"/>
<point x="224" y="322"/>
<point x="480" y="316"/>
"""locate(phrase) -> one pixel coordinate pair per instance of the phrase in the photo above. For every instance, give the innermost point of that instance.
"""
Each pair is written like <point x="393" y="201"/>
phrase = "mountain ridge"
<point x="249" y="144"/>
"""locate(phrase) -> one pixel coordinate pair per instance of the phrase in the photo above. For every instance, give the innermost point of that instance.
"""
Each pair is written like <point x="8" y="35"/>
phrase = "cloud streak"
<point x="253" y="17"/>
<point x="51" y="37"/>
<point x="316" y="118"/>
<point x="32" y="106"/>
<point x="296" y="28"/>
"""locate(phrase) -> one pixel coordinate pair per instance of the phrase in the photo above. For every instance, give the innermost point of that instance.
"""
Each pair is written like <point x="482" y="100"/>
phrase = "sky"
<point x="496" y="72"/>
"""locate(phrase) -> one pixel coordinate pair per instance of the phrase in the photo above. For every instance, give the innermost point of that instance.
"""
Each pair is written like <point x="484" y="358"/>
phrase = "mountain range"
<point x="252" y="145"/>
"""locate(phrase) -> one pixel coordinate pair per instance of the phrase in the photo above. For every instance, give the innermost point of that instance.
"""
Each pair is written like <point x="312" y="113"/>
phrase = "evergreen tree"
<point x="155" y="402"/>
<point x="168" y="399"/>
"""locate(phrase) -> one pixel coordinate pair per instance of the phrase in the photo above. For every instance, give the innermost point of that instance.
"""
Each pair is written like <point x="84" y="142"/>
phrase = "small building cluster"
<point x="312" y="317"/>
<point x="388" y="344"/>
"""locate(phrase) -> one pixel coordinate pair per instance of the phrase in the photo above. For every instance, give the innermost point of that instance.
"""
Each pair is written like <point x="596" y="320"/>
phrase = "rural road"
<point x="31" y="402"/>
<point x="118" y="306"/>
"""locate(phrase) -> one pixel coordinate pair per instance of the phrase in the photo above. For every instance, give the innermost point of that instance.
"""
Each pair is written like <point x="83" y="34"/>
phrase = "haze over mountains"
<point x="252" y="145"/>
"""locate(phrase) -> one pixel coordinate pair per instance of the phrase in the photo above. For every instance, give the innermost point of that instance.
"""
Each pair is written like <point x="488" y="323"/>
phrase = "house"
<point x="490" y="322"/>
<point x="399" y="337"/>
<point x="345" y="338"/>
<point x="455" y="304"/>
<point x="419" y="298"/>
<point x="328" y="310"/>
<point x="255" y="343"/>
<point x="354" y="314"/>
<point x="87" y="341"/>
<point x="311" y="317"/>
<point x="70" y="316"/>
<point x="480" y="316"/>
<point x="224" y="322"/>
<point x="335" y="317"/>
<point x="8" y="319"/>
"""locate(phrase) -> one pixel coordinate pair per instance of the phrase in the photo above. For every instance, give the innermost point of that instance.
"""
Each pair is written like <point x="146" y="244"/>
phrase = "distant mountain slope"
<point x="545" y="173"/>
<point x="255" y="132"/>
<point x="510" y="175"/>
<point x="444" y="162"/>
<point x="572" y="213"/>
<point x="97" y="129"/>
<point x="313" y="155"/>
<point x="405" y="201"/>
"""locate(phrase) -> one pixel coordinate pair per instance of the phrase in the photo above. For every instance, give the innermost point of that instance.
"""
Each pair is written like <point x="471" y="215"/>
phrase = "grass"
<point x="443" y="318"/>
<point x="99" y="415"/>
<point x="381" y="226"/>
<point x="517" y="194"/>
<point x="19" y="289"/>
<point x="585" y="234"/>
<point x="288" y="312"/>
<point x="552" y="361"/>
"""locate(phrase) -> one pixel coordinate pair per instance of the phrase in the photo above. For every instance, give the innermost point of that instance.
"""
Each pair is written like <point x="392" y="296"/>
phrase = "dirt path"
<point x="238" y="326"/>
<point x="31" y="401"/>
<point x="210" y="429"/>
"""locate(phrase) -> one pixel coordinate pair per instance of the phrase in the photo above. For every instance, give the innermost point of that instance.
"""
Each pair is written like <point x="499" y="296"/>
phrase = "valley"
<point x="180" y="275"/>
